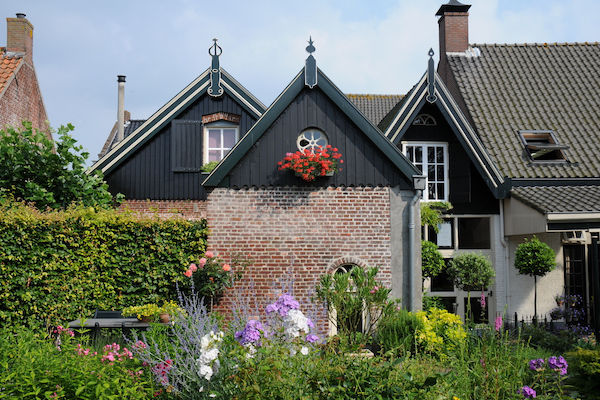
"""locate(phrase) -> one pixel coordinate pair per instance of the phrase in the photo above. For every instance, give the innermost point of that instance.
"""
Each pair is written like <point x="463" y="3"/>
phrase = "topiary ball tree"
<point x="470" y="271"/>
<point x="432" y="261"/>
<point x="534" y="258"/>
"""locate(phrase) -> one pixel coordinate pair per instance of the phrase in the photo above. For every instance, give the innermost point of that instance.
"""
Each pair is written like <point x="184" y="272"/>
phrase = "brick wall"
<point x="454" y="32"/>
<point x="291" y="236"/>
<point x="22" y="100"/>
<point x="294" y="235"/>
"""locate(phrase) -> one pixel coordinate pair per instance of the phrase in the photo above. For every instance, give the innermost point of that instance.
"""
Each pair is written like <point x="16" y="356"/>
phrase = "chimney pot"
<point x="121" y="78"/>
<point x="19" y="36"/>
<point x="21" y="15"/>
<point x="121" y="108"/>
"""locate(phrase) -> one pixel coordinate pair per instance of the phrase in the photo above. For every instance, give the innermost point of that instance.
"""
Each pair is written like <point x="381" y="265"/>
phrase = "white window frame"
<point x="221" y="126"/>
<point x="424" y="145"/>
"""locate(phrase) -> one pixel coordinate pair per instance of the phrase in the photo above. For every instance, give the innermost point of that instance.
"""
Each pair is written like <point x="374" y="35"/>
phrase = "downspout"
<point x="504" y="244"/>
<point x="419" y="185"/>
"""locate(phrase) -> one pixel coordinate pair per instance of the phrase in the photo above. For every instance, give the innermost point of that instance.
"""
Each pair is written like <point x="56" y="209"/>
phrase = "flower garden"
<point x="276" y="350"/>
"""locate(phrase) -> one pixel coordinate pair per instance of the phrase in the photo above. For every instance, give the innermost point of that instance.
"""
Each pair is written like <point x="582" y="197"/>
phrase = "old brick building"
<point x="20" y="95"/>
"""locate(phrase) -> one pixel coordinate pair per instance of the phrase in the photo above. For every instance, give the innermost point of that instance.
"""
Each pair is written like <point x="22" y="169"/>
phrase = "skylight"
<point x="542" y="146"/>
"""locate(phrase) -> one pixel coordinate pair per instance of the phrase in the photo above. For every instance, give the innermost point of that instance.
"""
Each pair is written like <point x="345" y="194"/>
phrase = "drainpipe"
<point x="419" y="185"/>
<point x="121" y="108"/>
<point x="504" y="244"/>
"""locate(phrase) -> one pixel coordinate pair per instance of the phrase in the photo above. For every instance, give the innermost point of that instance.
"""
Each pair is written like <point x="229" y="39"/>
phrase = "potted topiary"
<point x="534" y="258"/>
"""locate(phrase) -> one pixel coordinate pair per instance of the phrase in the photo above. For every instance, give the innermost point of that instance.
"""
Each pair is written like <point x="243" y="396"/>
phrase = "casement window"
<point x="542" y="146"/>
<point x="461" y="233"/>
<point x="219" y="139"/>
<point x="432" y="160"/>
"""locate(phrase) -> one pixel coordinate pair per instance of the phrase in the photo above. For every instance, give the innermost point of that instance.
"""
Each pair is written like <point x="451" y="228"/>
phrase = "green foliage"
<point x="353" y="297"/>
<point x="209" y="166"/>
<point x="432" y="260"/>
<point x="430" y="302"/>
<point x="584" y="369"/>
<point x="51" y="174"/>
<point x="431" y="213"/>
<point x="396" y="332"/>
<point x="34" y="368"/>
<point x="540" y="338"/>
<point x="57" y="266"/>
<point x="439" y="332"/>
<point x="470" y="271"/>
<point x="534" y="257"/>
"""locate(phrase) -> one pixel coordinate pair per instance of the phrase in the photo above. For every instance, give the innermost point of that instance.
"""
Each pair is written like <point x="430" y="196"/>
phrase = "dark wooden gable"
<point x="167" y="167"/>
<point x="469" y="193"/>
<point x="364" y="164"/>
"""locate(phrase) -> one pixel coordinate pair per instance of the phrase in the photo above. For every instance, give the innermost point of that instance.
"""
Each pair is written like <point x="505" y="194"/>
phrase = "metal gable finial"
<point x="431" y="97"/>
<point x="215" y="88"/>
<point x="310" y="69"/>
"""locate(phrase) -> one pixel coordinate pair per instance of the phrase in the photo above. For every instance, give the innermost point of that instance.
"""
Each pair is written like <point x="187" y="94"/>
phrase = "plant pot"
<point x="145" y="318"/>
<point x="164" y="318"/>
<point x="330" y="173"/>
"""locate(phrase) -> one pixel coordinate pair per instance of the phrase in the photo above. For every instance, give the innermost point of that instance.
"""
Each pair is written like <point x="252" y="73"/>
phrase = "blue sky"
<point x="363" y="46"/>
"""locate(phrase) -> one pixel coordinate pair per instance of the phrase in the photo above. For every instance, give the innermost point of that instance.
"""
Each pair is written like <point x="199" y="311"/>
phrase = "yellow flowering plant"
<point x="440" y="332"/>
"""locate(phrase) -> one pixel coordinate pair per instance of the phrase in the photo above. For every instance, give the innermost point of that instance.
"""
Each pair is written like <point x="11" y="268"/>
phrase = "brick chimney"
<point x="19" y="36"/>
<point x="454" y="32"/>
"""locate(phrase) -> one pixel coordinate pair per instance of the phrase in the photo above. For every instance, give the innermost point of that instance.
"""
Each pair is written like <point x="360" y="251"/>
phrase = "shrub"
<point x="34" y="367"/>
<point x="534" y="258"/>
<point x="51" y="174"/>
<point x="396" y="332"/>
<point x="559" y="341"/>
<point x="431" y="213"/>
<point x="440" y="332"/>
<point x="471" y="271"/>
<point x="57" y="266"/>
<point x="431" y="259"/>
<point x="585" y="370"/>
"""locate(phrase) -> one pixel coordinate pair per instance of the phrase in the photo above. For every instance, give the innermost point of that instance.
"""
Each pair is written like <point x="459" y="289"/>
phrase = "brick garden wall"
<point x="291" y="236"/>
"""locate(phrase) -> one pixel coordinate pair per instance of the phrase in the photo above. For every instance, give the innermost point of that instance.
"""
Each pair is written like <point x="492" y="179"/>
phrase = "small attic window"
<point x="424" y="120"/>
<point x="542" y="146"/>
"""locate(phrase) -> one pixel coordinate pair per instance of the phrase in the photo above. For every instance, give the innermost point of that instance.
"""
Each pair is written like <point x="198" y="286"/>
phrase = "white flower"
<point x="304" y="350"/>
<point x="205" y="372"/>
<point x="294" y="322"/>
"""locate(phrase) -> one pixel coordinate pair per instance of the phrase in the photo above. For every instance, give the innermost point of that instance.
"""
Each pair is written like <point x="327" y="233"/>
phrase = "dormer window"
<point x="220" y="138"/>
<point x="424" y="120"/>
<point x="542" y="146"/>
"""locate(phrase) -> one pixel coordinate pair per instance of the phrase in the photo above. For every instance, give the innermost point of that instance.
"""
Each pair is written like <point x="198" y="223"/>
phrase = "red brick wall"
<point x="291" y="236"/>
<point x="22" y="100"/>
<point x="294" y="235"/>
<point x="188" y="209"/>
<point x="454" y="32"/>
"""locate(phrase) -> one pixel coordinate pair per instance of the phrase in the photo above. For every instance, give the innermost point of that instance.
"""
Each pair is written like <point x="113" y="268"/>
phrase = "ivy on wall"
<point x="61" y="265"/>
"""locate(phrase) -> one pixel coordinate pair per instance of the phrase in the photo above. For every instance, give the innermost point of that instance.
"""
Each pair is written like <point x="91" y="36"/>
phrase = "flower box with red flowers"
<point x="310" y="164"/>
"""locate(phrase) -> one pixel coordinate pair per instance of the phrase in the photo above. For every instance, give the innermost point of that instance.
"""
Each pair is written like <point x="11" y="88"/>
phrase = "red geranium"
<point x="309" y="164"/>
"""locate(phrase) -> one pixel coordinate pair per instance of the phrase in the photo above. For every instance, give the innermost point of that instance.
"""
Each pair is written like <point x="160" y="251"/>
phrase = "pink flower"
<point x="498" y="323"/>
<point x="202" y="262"/>
<point x="188" y="273"/>
<point x="209" y="254"/>
<point x="226" y="267"/>
<point x="193" y="267"/>
<point x="482" y="300"/>
<point x="372" y="291"/>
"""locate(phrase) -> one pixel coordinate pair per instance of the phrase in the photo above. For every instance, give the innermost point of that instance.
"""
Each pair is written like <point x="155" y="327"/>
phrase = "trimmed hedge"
<point x="58" y="266"/>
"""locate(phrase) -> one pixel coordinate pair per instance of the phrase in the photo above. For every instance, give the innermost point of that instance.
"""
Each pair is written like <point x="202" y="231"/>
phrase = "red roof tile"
<point x="8" y="66"/>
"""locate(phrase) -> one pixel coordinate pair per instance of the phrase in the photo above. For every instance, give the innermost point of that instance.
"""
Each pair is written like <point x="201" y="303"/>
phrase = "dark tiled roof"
<point x="375" y="106"/>
<point x="558" y="199"/>
<point x="130" y="126"/>
<point x="534" y="86"/>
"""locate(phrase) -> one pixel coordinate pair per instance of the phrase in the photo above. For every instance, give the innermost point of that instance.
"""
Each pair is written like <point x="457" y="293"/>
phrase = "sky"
<point x="364" y="46"/>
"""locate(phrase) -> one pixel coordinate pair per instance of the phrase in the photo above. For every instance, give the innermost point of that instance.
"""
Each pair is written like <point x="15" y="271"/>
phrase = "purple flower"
<point x="528" y="392"/>
<point x="559" y="364"/>
<point x="251" y="333"/>
<point x="283" y="305"/>
<point x="537" y="364"/>
<point x="498" y="323"/>
<point x="312" y="338"/>
<point x="310" y="323"/>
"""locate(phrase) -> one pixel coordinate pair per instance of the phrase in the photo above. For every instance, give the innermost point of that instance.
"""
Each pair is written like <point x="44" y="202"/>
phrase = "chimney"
<point x="19" y="36"/>
<point x="121" y="108"/>
<point x="454" y="27"/>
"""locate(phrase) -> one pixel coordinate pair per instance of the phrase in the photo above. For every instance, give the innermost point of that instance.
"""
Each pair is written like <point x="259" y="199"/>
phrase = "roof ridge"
<point x="535" y="44"/>
<point x="372" y="95"/>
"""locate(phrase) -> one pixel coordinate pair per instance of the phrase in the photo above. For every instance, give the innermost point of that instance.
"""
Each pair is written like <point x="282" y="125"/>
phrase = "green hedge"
<point x="58" y="266"/>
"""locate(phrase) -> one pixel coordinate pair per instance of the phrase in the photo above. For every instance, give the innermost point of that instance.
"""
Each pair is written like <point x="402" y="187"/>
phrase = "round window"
<point x="311" y="139"/>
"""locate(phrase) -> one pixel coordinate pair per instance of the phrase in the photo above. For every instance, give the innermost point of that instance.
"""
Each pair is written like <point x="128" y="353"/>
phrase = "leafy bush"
<point x="471" y="271"/>
<point x="57" y="266"/>
<point x="396" y="332"/>
<point x="353" y="297"/>
<point x="431" y="213"/>
<point x="51" y="174"/>
<point x="440" y="332"/>
<point x="557" y="341"/>
<point x="430" y="302"/>
<point x="432" y="260"/>
<point x="35" y="368"/>
<point x="585" y="370"/>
